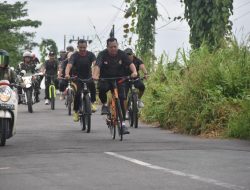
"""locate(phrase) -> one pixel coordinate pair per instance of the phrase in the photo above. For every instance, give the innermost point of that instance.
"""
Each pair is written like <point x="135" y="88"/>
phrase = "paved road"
<point x="49" y="152"/>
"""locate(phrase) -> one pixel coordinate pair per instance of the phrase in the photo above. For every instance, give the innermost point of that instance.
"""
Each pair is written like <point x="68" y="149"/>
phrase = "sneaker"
<point x="76" y="116"/>
<point x="93" y="107"/>
<point x="124" y="129"/>
<point x="105" y="110"/>
<point x="57" y="92"/>
<point x="46" y="102"/>
<point x="140" y="104"/>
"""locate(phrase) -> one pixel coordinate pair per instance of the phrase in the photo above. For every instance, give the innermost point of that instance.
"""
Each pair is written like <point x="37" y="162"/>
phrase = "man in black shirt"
<point x="82" y="62"/>
<point x="111" y="63"/>
<point x="51" y="68"/>
<point x="139" y="66"/>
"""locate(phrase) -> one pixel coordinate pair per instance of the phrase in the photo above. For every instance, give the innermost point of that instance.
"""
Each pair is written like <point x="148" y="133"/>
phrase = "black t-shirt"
<point x="137" y="62"/>
<point x="82" y="64"/>
<point x="112" y="66"/>
<point x="51" y="67"/>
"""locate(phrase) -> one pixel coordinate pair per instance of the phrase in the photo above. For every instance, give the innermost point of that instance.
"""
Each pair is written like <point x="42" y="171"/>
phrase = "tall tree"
<point x="145" y="11"/>
<point x="208" y="21"/>
<point x="12" y="39"/>
<point x="46" y="46"/>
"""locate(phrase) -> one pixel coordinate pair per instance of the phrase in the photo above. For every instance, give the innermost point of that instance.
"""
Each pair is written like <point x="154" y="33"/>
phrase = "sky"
<point x="94" y="18"/>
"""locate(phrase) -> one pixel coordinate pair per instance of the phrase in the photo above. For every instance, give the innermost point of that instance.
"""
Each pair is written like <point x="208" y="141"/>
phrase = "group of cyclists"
<point x="110" y="63"/>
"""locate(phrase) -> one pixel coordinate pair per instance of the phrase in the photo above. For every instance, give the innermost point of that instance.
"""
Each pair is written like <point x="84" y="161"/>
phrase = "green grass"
<point x="203" y="95"/>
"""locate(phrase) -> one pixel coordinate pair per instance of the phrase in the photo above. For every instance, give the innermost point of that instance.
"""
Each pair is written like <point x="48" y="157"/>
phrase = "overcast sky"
<point x="79" y="17"/>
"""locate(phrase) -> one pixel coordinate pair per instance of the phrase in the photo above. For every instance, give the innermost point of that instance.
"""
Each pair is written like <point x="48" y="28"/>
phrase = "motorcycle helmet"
<point x="4" y="58"/>
<point x="27" y="54"/>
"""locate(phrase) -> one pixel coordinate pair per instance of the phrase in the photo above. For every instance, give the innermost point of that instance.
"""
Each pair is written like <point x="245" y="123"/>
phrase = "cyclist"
<point x="30" y="67"/>
<point x="139" y="66"/>
<point x="5" y="72"/>
<point x="111" y="63"/>
<point x="61" y="73"/>
<point x="50" y="70"/>
<point x="82" y="61"/>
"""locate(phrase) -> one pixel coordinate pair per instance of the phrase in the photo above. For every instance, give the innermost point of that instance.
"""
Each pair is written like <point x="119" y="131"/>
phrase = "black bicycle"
<point x="85" y="105"/>
<point x="133" y="109"/>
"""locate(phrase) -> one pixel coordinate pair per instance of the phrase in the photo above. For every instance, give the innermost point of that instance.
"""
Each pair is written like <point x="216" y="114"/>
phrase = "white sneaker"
<point x="46" y="102"/>
<point x="140" y="104"/>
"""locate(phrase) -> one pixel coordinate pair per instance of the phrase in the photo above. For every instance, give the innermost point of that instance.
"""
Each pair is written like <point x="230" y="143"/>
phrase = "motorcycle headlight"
<point x="5" y="94"/>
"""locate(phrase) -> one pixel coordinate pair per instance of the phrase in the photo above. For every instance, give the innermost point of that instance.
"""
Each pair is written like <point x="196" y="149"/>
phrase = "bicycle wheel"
<point x="52" y="97"/>
<point x="130" y="111"/>
<point x="69" y="101"/>
<point x="111" y="126"/>
<point x="87" y="113"/>
<point x="119" y="118"/>
<point x="135" y="110"/>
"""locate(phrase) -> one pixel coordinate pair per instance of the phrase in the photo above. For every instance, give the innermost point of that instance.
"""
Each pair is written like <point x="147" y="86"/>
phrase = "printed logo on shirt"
<point x="120" y="62"/>
<point x="105" y="62"/>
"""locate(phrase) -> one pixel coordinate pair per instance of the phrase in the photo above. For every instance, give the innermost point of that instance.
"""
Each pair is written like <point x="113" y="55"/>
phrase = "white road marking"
<point x="179" y="173"/>
<point x="5" y="168"/>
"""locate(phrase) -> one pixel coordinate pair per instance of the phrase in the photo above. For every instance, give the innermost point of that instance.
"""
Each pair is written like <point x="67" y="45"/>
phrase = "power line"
<point x="242" y="5"/>
<point x="241" y="16"/>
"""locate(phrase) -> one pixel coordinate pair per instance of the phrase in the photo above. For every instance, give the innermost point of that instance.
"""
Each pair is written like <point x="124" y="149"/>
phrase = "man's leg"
<point x="77" y="102"/>
<point x="104" y="87"/>
<point x="92" y="90"/>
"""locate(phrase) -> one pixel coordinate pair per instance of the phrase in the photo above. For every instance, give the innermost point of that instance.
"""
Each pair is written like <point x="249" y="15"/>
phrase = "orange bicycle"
<point x="114" y="117"/>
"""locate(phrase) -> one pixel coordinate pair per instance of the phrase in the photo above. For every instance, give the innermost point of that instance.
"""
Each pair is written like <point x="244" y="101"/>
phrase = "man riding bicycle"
<point x="82" y="62"/>
<point x="139" y="66"/>
<point x="50" y="71"/>
<point x="111" y="63"/>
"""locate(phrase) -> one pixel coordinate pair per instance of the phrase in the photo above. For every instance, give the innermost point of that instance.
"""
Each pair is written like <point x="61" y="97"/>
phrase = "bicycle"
<point x="52" y="91"/>
<point x="114" y="117"/>
<point x="133" y="109"/>
<point x="85" y="106"/>
<point x="70" y="94"/>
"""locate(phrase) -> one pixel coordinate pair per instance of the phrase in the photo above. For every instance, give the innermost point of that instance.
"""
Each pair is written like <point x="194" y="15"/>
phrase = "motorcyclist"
<point x="5" y="72"/>
<point x="29" y="67"/>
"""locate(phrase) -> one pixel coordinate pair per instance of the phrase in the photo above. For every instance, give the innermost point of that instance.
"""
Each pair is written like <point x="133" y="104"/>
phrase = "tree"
<point x="208" y="21"/>
<point x="45" y="47"/>
<point x="12" y="39"/>
<point x="145" y="11"/>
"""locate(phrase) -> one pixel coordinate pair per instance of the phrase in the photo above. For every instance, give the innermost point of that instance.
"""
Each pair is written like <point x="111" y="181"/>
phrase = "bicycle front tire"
<point x="119" y="118"/>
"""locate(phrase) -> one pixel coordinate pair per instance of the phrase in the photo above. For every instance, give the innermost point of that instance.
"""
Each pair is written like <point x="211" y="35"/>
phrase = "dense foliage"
<point x="12" y="38"/>
<point x="208" y="95"/>
<point x="208" y="21"/>
<point x="46" y="46"/>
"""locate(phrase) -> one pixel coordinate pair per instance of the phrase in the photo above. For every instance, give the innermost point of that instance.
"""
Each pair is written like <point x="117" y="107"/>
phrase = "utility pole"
<point x="64" y="42"/>
<point x="89" y="41"/>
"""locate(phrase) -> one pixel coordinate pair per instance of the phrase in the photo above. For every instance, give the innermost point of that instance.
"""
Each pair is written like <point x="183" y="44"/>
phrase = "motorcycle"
<point x="28" y="94"/>
<point x="8" y="111"/>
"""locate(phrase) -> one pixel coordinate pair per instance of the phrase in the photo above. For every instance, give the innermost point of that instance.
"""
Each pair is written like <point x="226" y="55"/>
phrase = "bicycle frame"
<point x="115" y="118"/>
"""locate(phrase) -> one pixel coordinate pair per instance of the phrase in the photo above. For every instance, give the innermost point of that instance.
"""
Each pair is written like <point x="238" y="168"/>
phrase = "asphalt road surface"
<point x="50" y="152"/>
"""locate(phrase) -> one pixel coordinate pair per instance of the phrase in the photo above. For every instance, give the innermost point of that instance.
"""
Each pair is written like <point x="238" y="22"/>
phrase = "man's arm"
<point x="144" y="70"/>
<point x="133" y="70"/>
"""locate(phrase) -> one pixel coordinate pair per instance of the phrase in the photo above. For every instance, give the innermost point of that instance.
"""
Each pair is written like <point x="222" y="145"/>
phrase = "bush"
<point x="202" y="95"/>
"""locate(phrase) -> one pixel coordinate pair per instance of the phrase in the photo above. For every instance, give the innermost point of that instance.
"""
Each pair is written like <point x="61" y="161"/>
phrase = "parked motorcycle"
<point x="8" y="111"/>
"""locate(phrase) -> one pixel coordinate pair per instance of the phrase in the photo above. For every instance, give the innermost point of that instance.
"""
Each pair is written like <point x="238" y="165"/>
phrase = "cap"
<point x="128" y="51"/>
